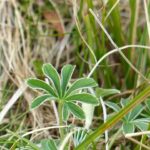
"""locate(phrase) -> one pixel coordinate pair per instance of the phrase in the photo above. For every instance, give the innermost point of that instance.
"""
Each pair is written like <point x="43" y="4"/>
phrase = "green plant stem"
<point x="115" y="119"/>
<point x="60" y="107"/>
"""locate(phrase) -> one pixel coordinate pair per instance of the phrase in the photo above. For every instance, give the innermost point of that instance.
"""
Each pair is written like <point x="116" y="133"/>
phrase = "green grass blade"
<point x="115" y="23"/>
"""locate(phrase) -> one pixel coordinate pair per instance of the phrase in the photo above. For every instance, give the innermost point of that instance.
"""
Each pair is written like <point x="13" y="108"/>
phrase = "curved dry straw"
<point x="115" y="51"/>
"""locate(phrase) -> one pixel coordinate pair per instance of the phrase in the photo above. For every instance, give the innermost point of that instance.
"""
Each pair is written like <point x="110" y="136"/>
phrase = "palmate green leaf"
<point x="76" y="110"/>
<point x="40" y="100"/>
<point x="48" y="144"/>
<point x="100" y="92"/>
<point x="66" y="74"/>
<point x="84" y="98"/>
<point x="81" y="84"/>
<point x="53" y="75"/>
<point x="41" y="85"/>
<point x="128" y="127"/>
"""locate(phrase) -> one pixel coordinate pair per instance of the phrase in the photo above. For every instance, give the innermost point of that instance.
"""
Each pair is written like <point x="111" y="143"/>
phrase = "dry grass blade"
<point x="137" y="142"/>
<point x="115" y="51"/>
<point x="11" y="102"/>
<point x="41" y="129"/>
<point x="137" y="134"/>
<point x="147" y="17"/>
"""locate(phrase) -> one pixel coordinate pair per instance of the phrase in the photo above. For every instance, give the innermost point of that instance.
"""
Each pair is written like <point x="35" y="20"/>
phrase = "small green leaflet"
<point x="81" y="84"/>
<point x="41" y="85"/>
<point x="40" y="100"/>
<point x="113" y="106"/>
<point x="48" y="144"/>
<point x="53" y="75"/>
<point x="76" y="110"/>
<point x="83" y="97"/>
<point x="100" y="92"/>
<point x="128" y="127"/>
<point x="66" y="74"/>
